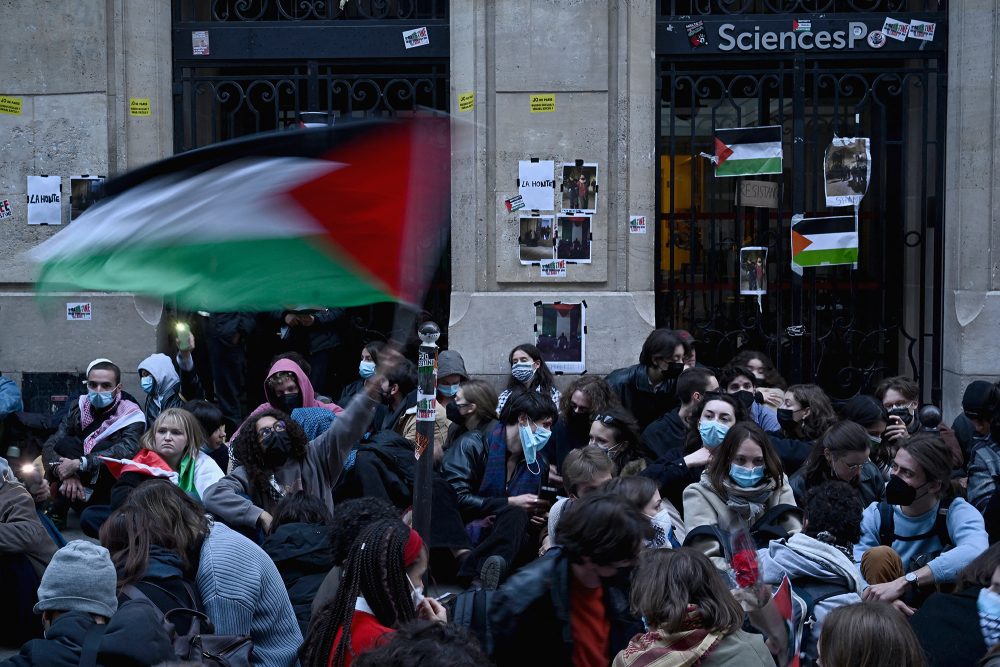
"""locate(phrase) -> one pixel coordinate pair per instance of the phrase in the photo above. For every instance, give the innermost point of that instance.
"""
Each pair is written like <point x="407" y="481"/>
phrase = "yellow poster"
<point x="466" y="101"/>
<point x="11" y="105"/>
<point x="139" y="106"/>
<point x="543" y="103"/>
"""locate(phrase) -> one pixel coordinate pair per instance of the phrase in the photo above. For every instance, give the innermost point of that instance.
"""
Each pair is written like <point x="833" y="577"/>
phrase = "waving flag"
<point x="747" y="151"/>
<point x="339" y="216"/>
<point x="823" y="241"/>
<point x="145" y="461"/>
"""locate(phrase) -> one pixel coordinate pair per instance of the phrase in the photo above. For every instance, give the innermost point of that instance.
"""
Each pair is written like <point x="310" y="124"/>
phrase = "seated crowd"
<point x="669" y="514"/>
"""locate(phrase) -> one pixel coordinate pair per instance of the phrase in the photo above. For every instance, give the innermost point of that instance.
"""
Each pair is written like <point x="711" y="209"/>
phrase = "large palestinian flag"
<point x="748" y="151"/>
<point x="339" y="216"/>
<point x="823" y="241"/>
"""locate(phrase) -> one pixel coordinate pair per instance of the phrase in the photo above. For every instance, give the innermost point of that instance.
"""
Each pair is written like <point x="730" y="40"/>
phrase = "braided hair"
<point x="248" y="452"/>
<point x="375" y="569"/>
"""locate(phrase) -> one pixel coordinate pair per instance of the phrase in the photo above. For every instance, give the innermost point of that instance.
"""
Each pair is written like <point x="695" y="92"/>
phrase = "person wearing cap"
<point x="980" y="403"/>
<point x="81" y="615"/>
<point x="451" y="374"/>
<point x="972" y="425"/>
<point x="104" y="422"/>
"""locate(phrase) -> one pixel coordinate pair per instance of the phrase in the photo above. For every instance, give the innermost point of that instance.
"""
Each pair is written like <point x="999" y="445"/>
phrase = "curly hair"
<point x="375" y="570"/>
<point x="353" y="516"/>
<point x="593" y="387"/>
<point x="249" y="453"/>
<point x="419" y="643"/>
<point x="834" y="508"/>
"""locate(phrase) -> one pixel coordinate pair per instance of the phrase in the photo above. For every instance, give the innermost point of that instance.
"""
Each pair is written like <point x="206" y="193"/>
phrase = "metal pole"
<point x="426" y="414"/>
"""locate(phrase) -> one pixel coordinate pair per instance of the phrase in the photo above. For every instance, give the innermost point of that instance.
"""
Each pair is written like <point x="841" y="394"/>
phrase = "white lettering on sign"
<point x="790" y="40"/>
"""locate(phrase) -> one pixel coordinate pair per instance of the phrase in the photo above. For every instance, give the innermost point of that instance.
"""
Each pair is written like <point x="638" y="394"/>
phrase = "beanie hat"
<point x="80" y="577"/>
<point x="977" y="401"/>
<point x="450" y="362"/>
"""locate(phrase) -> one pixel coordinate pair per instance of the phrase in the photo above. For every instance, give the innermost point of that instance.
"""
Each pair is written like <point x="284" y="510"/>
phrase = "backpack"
<point x="200" y="645"/>
<point x="471" y="611"/>
<point x="812" y="592"/>
<point x="887" y="526"/>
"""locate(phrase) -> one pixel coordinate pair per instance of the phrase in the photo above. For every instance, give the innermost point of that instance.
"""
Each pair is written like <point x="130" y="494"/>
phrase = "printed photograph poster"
<point x="579" y="187"/>
<point x="847" y="170"/>
<point x="78" y="312"/>
<point x="753" y="270"/>
<point x="561" y="335"/>
<point x="83" y="192"/>
<point x="535" y="238"/>
<point x="573" y="238"/>
<point x="536" y="184"/>
<point x="44" y="200"/>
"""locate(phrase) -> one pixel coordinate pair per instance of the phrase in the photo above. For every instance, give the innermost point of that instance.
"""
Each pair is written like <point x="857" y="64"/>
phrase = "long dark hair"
<point x="543" y="376"/>
<point x="375" y="570"/>
<point x="772" y="378"/>
<point x="692" y="442"/>
<point x="821" y="414"/>
<point x="249" y="453"/>
<point x="839" y="439"/>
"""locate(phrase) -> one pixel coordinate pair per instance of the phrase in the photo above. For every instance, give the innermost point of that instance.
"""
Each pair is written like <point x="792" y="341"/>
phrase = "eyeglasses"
<point x="277" y="427"/>
<point x="854" y="467"/>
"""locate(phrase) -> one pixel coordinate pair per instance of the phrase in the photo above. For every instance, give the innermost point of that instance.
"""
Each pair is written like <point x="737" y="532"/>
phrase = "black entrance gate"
<point x="846" y="326"/>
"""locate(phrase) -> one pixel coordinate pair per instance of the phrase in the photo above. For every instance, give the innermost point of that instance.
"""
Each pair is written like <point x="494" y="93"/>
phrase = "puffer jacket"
<point x="303" y="554"/>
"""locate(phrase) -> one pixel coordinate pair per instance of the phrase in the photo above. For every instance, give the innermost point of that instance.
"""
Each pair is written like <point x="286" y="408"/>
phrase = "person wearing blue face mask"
<point x="366" y="369"/>
<point x="497" y="479"/>
<point x="743" y="483"/>
<point x="104" y="422"/>
<point x="162" y="384"/>
<point x="528" y="372"/>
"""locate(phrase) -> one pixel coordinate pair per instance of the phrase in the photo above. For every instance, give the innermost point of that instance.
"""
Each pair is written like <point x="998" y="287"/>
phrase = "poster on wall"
<point x="847" y="168"/>
<point x="753" y="270"/>
<point x="535" y="236"/>
<point x="579" y="186"/>
<point x="561" y="335"/>
<point x="536" y="183"/>
<point x="573" y="236"/>
<point x="44" y="200"/>
<point x="828" y="241"/>
<point x="83" y="192"/>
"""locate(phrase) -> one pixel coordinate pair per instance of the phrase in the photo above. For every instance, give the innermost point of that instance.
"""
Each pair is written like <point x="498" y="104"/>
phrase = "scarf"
<point x="119" y="414"/>
<point x="686" y="647"/>
<point x="748" y="504"/>
<point x="495" y="484"/>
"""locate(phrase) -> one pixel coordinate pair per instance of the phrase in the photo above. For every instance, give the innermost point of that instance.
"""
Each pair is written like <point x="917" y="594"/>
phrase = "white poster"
<point x="847" y="168"/>
<point x="561" y="335"/>
<point x="536" y="184"/>
<point x="44" y="200"/>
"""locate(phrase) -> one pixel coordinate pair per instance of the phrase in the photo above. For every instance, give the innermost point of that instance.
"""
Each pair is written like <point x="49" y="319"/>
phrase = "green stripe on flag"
<point x="237" y="279"/>
<point x="751" y="167"/>
<point x="824" y="257"/>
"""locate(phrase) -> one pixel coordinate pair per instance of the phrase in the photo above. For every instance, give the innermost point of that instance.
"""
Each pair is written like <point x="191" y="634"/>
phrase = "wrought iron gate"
<point x="842" y="327"/>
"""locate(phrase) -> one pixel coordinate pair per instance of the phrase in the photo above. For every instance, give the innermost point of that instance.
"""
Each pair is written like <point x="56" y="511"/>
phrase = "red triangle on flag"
<point x="799" y="243"/>
<point x="722" y="152"/>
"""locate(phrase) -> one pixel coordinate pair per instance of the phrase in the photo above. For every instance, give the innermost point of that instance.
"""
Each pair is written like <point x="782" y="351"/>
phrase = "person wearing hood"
<point x="25" y="550"/>
<point x="162" y="385"/>
<point x="451" y="374"/>
<point x="83" y="620"/>
<point x="819" y="561"/>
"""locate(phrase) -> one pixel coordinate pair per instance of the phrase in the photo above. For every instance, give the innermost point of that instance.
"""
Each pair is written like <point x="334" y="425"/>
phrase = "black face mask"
<point x="454" y="413"/>
<point x="290" y="402"/>
<point x="578" y="422"/>
<point x="673" y="370"/>
<point x="903" y="414"/>
<point x="786" y="417"/>
<point x="898" y="492"/>
<point x="745" y="398"/>
<point x="277" y="449"/>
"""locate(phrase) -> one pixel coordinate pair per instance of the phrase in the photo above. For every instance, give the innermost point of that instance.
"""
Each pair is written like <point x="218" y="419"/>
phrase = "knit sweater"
<point x="243" y="594"/>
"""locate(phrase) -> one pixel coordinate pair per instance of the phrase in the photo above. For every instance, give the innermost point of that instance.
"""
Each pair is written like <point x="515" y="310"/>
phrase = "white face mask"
<point x="416" y="593"/>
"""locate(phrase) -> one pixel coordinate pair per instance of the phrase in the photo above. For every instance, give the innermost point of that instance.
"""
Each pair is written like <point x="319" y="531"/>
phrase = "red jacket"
<point x="366" y="633"/>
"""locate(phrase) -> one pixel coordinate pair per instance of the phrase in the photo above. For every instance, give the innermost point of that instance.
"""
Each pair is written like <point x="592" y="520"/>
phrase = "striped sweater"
<point x="243" y="594"/>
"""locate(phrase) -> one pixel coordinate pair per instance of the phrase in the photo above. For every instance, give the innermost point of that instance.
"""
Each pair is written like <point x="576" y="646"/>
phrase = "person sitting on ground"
<point x="617" y="433"/>
<point x="473" y="410"/>
<point x="301" y="546"/>
<point x="770" y="384"/>
<point x="239" y="587"/>
<point x="25" y="550"/>
<point x="972" y="425"/>
<point x="900" y="396"/>
<point x="869" y="414"/>
<point x="818" y="560"/>
<point x="570" y="606"/>
<point x="670" y="431"/>
<point x="868" y="635"/>
<point x="840" y="454"/>
<point x="958" y="628"/>
<point x="648" y="389"/>
<point x="497" y="480"/>
<point x="904" y="538"/>
<point x="104" y="422"/>
<point x="366" y="369"/>
<point x="742" y="384"/>
<point x="984" y="459"/>
<point x="162" y="385"/>
<point x="398" y="393"/>
<point x="642" y="493"/>
<point x="585" y="470"/>
<point x="381" y="587"/>
<point x="691" y="617"/>
<point x="743" y="483"/>
<point x="587" y="395"/>
<point x="213" y="425"/>
<point x="276" y="459"/>
<point x="806" y="412"/>
<point x="422" y="643"/>
<point x="528" y="372"/>
<point x="84" y="624"/>
<point x="10" y="402"/>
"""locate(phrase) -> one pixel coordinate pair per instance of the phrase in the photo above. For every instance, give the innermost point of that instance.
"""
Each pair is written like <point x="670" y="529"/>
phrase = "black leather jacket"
<point x="637" y="395"/>
<point x="531" y="613"/>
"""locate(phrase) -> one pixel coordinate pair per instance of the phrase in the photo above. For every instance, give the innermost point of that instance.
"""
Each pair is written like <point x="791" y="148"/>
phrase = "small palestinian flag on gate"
<point x="747" y="151"/>
<point x="823" y="241"/>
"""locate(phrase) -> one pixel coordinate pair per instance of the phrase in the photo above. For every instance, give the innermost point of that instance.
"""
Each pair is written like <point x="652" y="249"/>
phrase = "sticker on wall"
<point x="84" y="190"/>
<point x="637" y="224"/>
<point x="847" y="170"/>
<point x="11" y="106"/>
<point x="579" y="186"/>
<point x="535" y="235"/>
<point x="76" y="312"/>
<point x="199" y="43"/>
<point x="139" y="106"/>
<point x="536" y="183"/>
<point x="561" y="335"/>
<point x="753" y="270"/>
<point x="5" y="211"/>
<point x="573" y="236"/>
<point x="922" y="30"/>
<point x="44" y="200"/>
<point x="542" y="103"/>
<point x="894" y="29"/>
<point x="823" y="241"/>
<point x="876" y="39"/>
<point x="416" y="37"/>
<point x="555" y="268"/>
<point x="466" y="101"/>
<point x="697" y="37"/>
<point x="515" y="203"/>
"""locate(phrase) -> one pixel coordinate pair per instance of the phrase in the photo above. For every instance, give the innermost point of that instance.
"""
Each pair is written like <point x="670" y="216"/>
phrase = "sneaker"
<point x="492" y="572"/>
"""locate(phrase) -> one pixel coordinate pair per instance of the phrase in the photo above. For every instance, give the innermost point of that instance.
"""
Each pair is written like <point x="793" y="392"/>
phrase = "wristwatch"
<point x="911" y="579"/>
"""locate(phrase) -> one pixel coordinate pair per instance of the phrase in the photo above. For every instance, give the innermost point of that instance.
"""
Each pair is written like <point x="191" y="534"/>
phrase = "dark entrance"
<point x="843" y="326"/>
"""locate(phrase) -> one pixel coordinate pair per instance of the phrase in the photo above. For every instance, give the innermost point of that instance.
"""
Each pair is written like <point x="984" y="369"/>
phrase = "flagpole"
<point x="426" y="415"/>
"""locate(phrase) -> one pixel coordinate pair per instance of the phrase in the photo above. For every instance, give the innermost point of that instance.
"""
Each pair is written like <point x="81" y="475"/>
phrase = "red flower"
<point x="745" y="567"/>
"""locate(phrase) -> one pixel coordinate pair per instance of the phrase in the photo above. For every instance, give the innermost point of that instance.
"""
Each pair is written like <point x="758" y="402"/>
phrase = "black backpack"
<point x="813" y="591"/>
<point x="887" y="526"/>
<point x="471" y="611"/>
